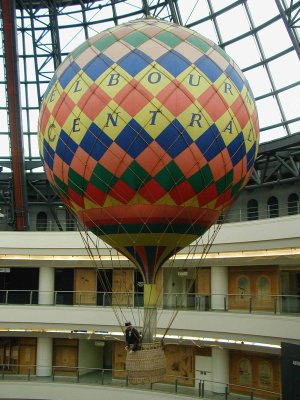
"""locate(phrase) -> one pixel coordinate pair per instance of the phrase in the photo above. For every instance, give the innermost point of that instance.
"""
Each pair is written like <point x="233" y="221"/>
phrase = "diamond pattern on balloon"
<point x="133" y="97"/>
<point x="63" y="108"/>
<point x="175" y="97"/>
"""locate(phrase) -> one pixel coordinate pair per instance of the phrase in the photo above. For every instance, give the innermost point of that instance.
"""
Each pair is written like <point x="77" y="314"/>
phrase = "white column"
<point x="220" y="369"/>
<point x="44" y="356"/>
<point x="219" y="287"/>
<point x="46" y="285"/>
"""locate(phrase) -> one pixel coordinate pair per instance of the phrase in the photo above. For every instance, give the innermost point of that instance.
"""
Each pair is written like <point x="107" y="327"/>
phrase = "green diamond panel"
<point x="105" y="42"/>
<point x="170" y="176"/>
<point x="200" y="44"/>
<point x="103" y="179"/>
<point x="136" y="38"/>
<point x="135" y="176"/>
<point x="225" y="182"/>
<point x="77" y="182"/>
<point x="201" y="179"/>
<point x="169" y="39"/>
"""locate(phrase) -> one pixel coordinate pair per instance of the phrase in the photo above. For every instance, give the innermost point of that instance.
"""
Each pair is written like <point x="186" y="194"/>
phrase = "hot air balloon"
<point x="148" y="132"/>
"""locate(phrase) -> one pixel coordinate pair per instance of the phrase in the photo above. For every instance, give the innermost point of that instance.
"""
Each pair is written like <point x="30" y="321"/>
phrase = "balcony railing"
<point x="244" y="303"/>
<point x="177" y="385"/>
<point x="234" y="215"/>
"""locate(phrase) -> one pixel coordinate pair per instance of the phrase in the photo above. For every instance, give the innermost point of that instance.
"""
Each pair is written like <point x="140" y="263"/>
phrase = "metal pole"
<point x="20" y="207"/>
<point x="199" y="389"/>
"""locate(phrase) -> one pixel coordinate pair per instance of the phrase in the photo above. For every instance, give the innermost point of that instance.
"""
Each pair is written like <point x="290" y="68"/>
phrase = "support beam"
<point x="288" y="27"/>
<point x="14" y="114"/>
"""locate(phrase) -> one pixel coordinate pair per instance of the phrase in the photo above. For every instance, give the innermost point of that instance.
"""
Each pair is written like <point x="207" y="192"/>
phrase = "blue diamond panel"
<point x="250" y="156"/>
<point x="173" y="62"/>
<point x="174" y="145"/>
<point x="95" y="142"/>
<point x="69" y="74"/>
<point x="210" y="142"/>
<point x="48" y="154"/>
<point x="234" y="76"/>
<point x="134" y="62"/>
<point x="66" y="147"/>
<point x="133" y="139"/>
<point x="236" y="149"/>
<point x="97" y="66"/>
<point x="50" y="86"/>
<point x="208" y="67"/>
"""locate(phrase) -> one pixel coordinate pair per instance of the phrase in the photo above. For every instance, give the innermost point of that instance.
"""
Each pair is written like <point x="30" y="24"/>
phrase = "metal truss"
<point x="278" y="162"/>
<point x="291" y="19"/>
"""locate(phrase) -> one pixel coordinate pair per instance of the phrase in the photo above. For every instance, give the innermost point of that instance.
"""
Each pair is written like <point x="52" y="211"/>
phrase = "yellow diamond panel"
<point x="154" y="118"/>
<point x="227" y="89"/>
<point x="195" y="120"/>
<point x="195" y="82"/>
<point x="154" y="78"/>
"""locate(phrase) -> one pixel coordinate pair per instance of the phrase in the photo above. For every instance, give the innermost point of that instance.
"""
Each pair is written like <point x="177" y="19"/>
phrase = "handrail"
<point x="234" y="215"/>
<point x="241" y="302"/>
<point x="194" y="387"/>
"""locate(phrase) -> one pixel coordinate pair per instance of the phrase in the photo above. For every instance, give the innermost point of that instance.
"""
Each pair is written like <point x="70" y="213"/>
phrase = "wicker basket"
<point x="147" y="365"/>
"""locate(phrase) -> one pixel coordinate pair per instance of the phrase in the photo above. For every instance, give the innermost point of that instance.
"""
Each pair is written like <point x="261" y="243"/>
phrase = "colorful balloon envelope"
<point x="148" y="132"/>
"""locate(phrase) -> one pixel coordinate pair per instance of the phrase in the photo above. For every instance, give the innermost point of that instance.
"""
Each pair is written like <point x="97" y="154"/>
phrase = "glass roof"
<point x="260" y="36"/>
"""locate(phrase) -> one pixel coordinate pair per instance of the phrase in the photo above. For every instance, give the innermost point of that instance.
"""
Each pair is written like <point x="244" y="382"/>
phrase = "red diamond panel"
<point x="75" y="197"/>
<point x="220" y="165"/>
<point x="63" y="108"/>
<point x="93" y="101"/>
<point x="153" y="158"/>
<point x="182" y="192"/>
<point x="152" y="191"/>
<point x="207" y="195"/>
<point x="95" y="194"/>
<point x="213" y="103"/>
<point x="115" y="160"/>
<point x="239" y="170"/>
<point x="45" y="118"/>
<point x="60" y="168"/>
<point x="133" y="97"/>
<point x="190" y="160"/>
<point x="240" y="111"/>
<point x="175" y="97"/>
<point x="83" y="163"/>
<point x="223" y="198"/>
<point x="122" y="192"/>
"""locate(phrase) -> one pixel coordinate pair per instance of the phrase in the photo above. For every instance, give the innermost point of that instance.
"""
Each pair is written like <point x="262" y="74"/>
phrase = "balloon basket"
<point x="147" y="365"/>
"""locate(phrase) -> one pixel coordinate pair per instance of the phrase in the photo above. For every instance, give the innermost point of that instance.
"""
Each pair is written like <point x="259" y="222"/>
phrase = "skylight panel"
<point x="274" y="39"/>
<point x="258" y="80"/>
<point x="262" y="10"/>
<point x="244" y="52"/>
<point x="230" y="30"/>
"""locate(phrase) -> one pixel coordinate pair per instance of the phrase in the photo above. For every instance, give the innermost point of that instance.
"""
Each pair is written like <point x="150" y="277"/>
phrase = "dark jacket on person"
<point x="132" y="336"/>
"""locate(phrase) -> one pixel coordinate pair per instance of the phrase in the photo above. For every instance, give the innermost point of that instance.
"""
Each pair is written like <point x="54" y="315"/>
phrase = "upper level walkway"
<point x="269" y="241"/>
